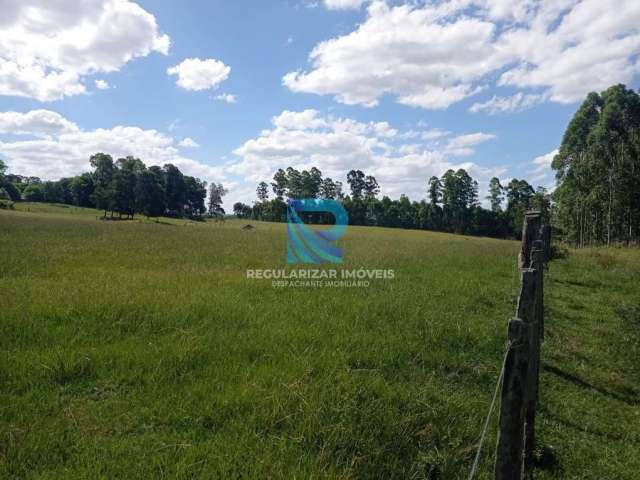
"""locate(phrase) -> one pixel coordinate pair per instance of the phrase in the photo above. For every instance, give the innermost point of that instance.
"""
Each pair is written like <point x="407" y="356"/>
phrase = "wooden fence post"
<point x="516" y="383"/>
<point x="516" y="434"/>
<point x="531" y="231"/>
<point x="546" y="240"/>
<point x="538" y="262"/>
<point x="531" y="396"/>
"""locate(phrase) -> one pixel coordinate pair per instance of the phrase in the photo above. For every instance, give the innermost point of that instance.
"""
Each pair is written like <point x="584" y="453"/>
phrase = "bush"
<point x="559" y="251"/>
<point x="6" y="205"/>
<point x="12" y="192"/>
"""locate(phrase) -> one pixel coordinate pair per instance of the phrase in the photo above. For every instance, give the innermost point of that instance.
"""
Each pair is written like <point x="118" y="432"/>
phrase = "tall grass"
<point x="139" y="349"/>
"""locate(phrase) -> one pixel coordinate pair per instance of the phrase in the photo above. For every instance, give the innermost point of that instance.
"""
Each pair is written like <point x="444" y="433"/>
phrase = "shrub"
<point x="6" y="205"/>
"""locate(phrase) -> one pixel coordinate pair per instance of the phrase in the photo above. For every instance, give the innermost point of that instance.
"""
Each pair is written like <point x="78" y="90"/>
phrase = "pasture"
<point x="139" y="349"/>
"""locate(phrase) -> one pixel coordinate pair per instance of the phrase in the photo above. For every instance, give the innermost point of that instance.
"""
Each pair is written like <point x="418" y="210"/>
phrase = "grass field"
<point x="139" y="350"/>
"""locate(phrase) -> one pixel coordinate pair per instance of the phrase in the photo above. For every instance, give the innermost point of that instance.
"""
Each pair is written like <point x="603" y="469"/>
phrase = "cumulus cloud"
<point x="102" y="85"/>
<point x="335" y="145"/>
<point x="514" y="103"/>
<point x="436" y="54"/>
<point x="343" y="4"/>
<point x="545" y="160"/>
<point x="47" y="47"/>
<point x="63" y="149"/>
<point x="226" y="97"/>
<point x="462" y="145"/>
<point x="188" y="143"/>
<point x="197" y="74"/>
<point x="40" y="123"/>
<point x="542" y="170"/>
<point x="434" y="134"/>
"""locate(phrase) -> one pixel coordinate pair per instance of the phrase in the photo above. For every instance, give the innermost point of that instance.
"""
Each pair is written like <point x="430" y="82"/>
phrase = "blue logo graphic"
<point x="310" y="246"/>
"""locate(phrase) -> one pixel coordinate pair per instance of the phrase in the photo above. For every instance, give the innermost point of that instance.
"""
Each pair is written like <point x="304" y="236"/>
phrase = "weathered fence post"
<point x="531" y="397"/>
<point x="515" y="386"/>
<point x="546" y="240"/>
<point x="516" y="434"/>
<point x="539" y="262"/>
<point x="531" y="231"/>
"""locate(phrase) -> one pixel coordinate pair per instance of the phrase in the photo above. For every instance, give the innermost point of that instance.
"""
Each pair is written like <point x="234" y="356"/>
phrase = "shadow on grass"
<point x="581" y="383"/>
<point x="577" y="283"/>
<point x="612" y="436"/>
<point x="160" y="222"/>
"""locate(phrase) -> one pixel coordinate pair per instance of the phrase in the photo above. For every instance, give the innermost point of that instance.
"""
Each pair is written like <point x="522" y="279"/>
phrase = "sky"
<point x="231" y="91"/>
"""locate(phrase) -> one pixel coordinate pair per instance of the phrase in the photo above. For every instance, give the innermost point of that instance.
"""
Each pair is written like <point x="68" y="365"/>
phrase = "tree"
<point x="519" y="195"/>
<point x="262" y="191"/>
<point x="124" y="185"/>
<point x="66" y="195"/>
<point x="598" y="170"/>
<point x="435" y="190"/>
<point x="52" y="192"/>
<point x="328" y="189"/>
<point x="216" y="192"/>
<point x="34" y="193"/>
<point x="3" y="169"/>
<point x="11" y="190"/>
<point x="541" y="201"/>
<point x="457" y="191"/>
<point x="240" y="210"/>
<point x="149" y="193"/>
<point x="82" y="188"/>
<point x="496" y="194"/>
<point x="339" y="195"/>
<point x="311" y="182"/>
<point x="371" y="188"/>
<point x="356" y="181"/>
<point x="103" y="193"/>
<point x="295" y="187"/>
<point x="195" y="194"/>
<point x="175" y="190"/>
<point x="279" y="184"/>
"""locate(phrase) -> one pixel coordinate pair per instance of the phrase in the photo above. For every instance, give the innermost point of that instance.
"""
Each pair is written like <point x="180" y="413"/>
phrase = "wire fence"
<point x="519" y="376"/>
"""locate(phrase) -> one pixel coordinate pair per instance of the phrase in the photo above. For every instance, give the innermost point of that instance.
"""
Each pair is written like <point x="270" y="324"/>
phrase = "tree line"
<point x="598" y="171"/>
<point x="452" y="203"/>
<point x="122" y="187"/>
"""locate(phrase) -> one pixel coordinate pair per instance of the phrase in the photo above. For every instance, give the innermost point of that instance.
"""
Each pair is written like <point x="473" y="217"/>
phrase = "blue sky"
<point x="400" y="90"/>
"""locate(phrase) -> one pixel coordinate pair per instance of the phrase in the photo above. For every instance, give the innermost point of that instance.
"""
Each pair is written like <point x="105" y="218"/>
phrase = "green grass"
<point x="138" y="349"/>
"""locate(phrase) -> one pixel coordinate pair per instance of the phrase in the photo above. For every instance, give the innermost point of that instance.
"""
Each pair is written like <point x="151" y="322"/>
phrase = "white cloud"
<point x="47" y="47"/>
<point x="305" y="120"/>
<point x="188" y="143"/>
<point x="40" y="123"/>
<point x="226" y="97"/>
<point x="542" y="170"/>
<point x="514" y="103"/>
<point x="66" y="149"/>
<point x="436" y="54"/>
<point x="343" y="4"/>
<point x="434" y="134"/>
<point x="462" y="145"/>
<point x="102" y="85"/>
<point x="197" y="74"/>
<point x="545" y="160"/>
<point x="336" y="145"/>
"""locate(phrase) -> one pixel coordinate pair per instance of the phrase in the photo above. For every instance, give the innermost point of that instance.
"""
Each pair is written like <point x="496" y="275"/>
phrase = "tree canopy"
<point x="123" y="187"/>
<point x="598" y="170"/>
<point x="453" y="204"/>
